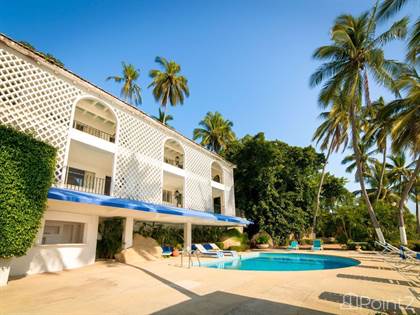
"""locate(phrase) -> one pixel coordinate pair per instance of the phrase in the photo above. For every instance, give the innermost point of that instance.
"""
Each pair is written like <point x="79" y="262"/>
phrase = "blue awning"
<point x="108" y="201"/>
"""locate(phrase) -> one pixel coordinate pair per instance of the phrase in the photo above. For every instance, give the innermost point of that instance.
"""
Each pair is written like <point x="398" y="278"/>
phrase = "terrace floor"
<point x="163" y="287"/>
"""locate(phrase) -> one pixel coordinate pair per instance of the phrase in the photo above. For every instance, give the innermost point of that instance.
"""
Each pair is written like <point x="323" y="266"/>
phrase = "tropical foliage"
<point x="130" y="90"/>
<point x="168" y="85"/>
<point x="215" y="132"/>
<point x="163" y="118"/>
<point x="26" y="173"/>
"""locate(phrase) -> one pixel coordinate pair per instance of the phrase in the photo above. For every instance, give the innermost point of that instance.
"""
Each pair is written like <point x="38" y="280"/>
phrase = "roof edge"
<point x="56" y="69"/>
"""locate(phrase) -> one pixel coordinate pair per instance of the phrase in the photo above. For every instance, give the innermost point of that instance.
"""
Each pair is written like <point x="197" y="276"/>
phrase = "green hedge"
<point x="26" y="173"/>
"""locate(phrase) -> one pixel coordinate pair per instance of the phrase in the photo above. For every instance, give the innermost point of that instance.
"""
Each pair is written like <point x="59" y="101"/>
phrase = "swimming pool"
<point x="284" y="262"/>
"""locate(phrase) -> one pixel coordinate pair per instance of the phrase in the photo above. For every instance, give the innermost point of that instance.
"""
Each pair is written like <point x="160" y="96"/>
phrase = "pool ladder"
<point x="189" y="254"/>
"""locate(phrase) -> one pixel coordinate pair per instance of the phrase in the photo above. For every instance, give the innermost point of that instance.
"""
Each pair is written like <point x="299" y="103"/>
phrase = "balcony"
<point x="93" y="131"/>
<point x="86" y="181"/>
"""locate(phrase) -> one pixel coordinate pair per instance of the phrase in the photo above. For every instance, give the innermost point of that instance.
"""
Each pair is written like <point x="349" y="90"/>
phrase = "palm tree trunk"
<point x="381" y="179"/>
<point x="318" y="195"/>
<point x="355" y="144"/>
<point x="164" y="115"/>
<point x="366" y="88"/>
<point x="403" y="200"/>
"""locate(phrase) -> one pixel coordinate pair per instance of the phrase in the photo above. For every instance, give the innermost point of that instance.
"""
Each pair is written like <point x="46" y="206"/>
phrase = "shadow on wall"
<point x="225" y="303"/>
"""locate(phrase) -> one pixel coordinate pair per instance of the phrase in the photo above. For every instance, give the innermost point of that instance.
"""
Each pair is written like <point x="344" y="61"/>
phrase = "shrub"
<point x="221" y="245"/>
<point x="231" y="233"/>
<point x="111" y="242"/>
<point x="26" y="173"/>
<point x="263" y="239"/>
<point x="414" y="245"/>
<point x="241" y="248"/>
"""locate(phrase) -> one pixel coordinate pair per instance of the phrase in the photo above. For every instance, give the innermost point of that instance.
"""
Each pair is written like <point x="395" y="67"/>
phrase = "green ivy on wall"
<point x="26" y="173"/>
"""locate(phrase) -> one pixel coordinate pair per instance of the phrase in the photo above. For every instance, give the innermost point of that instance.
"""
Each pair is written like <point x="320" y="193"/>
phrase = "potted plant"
<point x="262" y="242"/>
<point x="175" y="251"/>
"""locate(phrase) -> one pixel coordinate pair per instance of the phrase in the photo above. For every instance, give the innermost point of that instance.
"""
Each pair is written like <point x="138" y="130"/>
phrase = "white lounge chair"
<point x="214" y="247"/>
<point x="200" y="249"/>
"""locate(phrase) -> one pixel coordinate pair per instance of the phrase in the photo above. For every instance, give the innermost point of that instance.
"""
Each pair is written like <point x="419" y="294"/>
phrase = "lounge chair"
<point x="203" y="251"/>
<point x="317" y="245"/>
<point x="293" y="245"/>
<point x="214" y="247"/>
<point x="166" y="251"/>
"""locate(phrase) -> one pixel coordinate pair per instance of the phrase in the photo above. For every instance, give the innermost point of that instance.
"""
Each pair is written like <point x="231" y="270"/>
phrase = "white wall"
<point x="54" y="258"/>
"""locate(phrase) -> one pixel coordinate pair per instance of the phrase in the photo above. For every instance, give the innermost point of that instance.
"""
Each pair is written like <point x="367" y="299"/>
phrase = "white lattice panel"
<point x="32" y="99"/>
<point x="198" y="192"/>
<point x="138" y="172"/>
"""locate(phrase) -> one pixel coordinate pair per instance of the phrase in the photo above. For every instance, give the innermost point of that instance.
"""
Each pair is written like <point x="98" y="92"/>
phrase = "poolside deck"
<point x="164" y="288"/>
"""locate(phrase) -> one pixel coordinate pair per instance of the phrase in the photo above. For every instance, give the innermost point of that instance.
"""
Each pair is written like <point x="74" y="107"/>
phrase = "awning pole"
<point x="128" y="232"/>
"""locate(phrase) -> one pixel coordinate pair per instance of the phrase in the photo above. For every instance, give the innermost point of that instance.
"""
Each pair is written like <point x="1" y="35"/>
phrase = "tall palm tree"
<point x="215" y="132"/>
<point x="130" y="90"/>
<point x="377" y="131"/>
<point x="163" y="118"/>
<point x="415" y="197"/>
<point x="332" y="134"/>
<point x="404" y="117"/>
<point x="168" y="85"/>
<point x="355" y="53"/>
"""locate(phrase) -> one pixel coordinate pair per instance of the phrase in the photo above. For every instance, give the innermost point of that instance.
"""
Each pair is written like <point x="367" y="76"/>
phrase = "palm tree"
<point x="366" y="158"/>
<point x="168" y="85"/>
<point x="130" y="90"/>
<point x="162" y="118"/>
<point x="404" y="117"/>
<point x="380" y="185"/>
<point x="377" y="131"/>
<point x="354" y="53"/>
<point x="415" y="197"/>
<point x="215" y="132"/>
<point x="332" y="133"/>
<point x="399" y="171"/>
<point x="387" y="9"/>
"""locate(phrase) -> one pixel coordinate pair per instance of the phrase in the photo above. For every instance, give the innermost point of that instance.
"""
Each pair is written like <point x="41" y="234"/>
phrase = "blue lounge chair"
<point x="317" y="245"/>
<point x="166" y="251"/>
<point x="214" y="247"/>
<point x="201" y="249"/>
<point x="293" y="245"/>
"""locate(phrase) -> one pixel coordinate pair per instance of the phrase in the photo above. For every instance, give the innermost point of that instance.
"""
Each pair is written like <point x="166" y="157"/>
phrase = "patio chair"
<point x="203" y="251"/>
<point x="317" y="245"/>
<point x="214" y="247"/>
<point x="293" y="245"/>
<point x="166" y="251"/>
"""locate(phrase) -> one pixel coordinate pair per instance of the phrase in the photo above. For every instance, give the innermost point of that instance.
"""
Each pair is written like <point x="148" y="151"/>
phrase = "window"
<point x="81" y="178"/>
<point x="167" y="196"/>
<point x="63" y="232"/>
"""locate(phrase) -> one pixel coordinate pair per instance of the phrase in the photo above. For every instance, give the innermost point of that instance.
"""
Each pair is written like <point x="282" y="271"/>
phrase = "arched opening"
<point x="216" y="173"/>
<point x="95" y="118"/>
<point x="90" y="161"/>
<point x="173" y="176"/>
<point x="173" y="153"/>
<point x="218" y="192"/>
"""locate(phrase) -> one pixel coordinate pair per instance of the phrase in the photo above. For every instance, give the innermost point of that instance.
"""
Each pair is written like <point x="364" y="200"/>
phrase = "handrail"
<point x="93" y="131"/>
<point x="86" y="182"/>
<point x="190" y="254"/>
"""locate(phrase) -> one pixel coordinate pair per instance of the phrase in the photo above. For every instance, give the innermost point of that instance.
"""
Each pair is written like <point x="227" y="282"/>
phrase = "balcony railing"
<point x="93" y="131"/>
<point x="174" y="162"/>
<point x="86" y="181"/>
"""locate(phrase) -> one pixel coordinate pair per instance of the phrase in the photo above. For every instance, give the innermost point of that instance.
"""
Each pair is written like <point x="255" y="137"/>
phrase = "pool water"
<point x="285" y="262"/>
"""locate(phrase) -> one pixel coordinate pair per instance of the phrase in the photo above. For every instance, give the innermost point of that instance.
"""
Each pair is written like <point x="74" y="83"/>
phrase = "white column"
<point x="187" y="236"/>
<point x="128" y="232"/>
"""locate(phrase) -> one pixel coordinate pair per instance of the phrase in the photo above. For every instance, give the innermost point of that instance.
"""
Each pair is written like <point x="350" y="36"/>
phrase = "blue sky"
<point x="250" y="60"/>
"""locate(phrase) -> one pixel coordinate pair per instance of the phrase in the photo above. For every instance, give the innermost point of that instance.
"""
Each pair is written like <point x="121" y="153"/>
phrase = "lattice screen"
<point x="229" y="191"/>
<point x="35" y="99"/>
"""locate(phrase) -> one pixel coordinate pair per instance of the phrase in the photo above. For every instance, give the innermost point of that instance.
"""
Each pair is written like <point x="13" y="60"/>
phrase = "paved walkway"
<point x="164" y="288"/>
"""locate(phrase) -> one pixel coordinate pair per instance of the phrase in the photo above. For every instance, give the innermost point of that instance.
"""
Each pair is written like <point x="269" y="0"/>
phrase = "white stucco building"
<point x="113" y="161"/>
